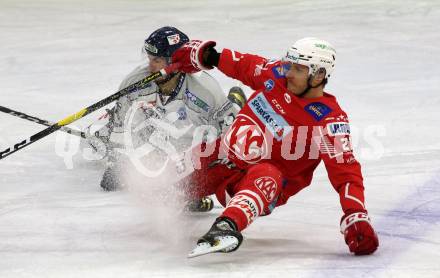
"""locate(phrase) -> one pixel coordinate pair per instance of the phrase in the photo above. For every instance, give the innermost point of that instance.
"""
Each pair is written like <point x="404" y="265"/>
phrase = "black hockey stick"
<point x="47" y="123"/>
<point x="40" y="121"/>
<point x="83" y="112"/>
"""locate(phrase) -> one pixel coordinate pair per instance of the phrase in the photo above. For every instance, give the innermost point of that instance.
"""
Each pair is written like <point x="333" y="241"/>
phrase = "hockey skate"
<point x="222" y="237"/>
<point x="204" y="204"/>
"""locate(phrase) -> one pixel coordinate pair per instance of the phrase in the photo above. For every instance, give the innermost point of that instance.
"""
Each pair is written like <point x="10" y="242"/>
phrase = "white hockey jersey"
<point x="155" y="129"/>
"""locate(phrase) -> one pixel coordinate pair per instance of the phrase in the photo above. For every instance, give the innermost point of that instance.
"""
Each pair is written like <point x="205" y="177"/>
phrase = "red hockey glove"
<point x="190" y="56"/>
<point x="359" y="234"/>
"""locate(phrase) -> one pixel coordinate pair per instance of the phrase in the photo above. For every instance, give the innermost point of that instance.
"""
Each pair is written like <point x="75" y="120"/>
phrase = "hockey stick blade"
<point x="222" y="244"/>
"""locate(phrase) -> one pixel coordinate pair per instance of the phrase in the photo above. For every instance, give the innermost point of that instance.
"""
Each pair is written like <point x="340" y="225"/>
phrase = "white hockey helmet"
<point x="313" y="53"/>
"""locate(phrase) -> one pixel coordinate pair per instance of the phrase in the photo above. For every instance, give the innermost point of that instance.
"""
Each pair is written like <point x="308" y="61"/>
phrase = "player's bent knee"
<point x="267" y="180"/>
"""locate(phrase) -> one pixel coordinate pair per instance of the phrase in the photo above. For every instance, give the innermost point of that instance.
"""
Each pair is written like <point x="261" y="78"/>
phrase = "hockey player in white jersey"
<point x="164" y="114"/>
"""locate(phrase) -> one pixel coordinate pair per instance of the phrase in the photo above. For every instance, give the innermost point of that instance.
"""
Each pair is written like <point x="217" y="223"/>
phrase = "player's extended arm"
<point x="345" y="175"/>
<point x="198" y="55"/>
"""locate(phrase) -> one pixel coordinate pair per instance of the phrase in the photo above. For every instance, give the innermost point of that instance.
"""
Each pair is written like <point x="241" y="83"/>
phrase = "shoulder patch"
<point x="278" y="71"/>
<point x="269" y="84"/>
<point x="318" y="110"/>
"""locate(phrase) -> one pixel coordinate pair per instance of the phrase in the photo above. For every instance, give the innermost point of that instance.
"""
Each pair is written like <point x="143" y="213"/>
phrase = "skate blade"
<point x="206" y="248"/>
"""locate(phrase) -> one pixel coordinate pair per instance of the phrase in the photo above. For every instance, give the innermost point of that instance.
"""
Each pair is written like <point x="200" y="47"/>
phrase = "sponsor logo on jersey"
<point x="173" y="39"/>
<point x="197" y="101"/>
<point x="338" y="128"/>
<point x="245" y="139"/>
<point x="287" y="98"/>
<point x="269" y="84"/>
<point x="267" y="186"/>
<point x="274" y="122"/>
<point x="278" y="106"/>
<point x="318" y="110"/>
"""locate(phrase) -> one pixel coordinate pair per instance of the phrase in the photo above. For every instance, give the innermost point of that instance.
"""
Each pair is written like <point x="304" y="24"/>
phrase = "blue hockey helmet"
<point x="164" y="41"/>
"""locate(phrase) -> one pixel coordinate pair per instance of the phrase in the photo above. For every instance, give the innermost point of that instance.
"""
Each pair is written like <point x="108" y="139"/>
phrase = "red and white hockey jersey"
<point x="292" y="133"/>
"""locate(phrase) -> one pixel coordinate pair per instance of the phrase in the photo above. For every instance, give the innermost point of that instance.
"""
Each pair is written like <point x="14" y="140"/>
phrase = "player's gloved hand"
<point x="359" y="234"/>
<point x="237" y="96"/>
<point x="190" y="56"/>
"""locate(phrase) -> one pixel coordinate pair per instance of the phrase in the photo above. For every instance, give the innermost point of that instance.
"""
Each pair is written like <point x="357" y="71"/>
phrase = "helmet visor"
<point x="286" y="65"/>
<point x="150" y="49"/>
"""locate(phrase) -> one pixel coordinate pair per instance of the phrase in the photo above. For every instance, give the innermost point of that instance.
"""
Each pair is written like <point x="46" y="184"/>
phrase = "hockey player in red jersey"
<point x="288" y="126"/>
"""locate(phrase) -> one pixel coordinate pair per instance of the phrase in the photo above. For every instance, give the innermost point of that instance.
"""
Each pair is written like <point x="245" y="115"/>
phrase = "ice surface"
<point x="57" y="57"/>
